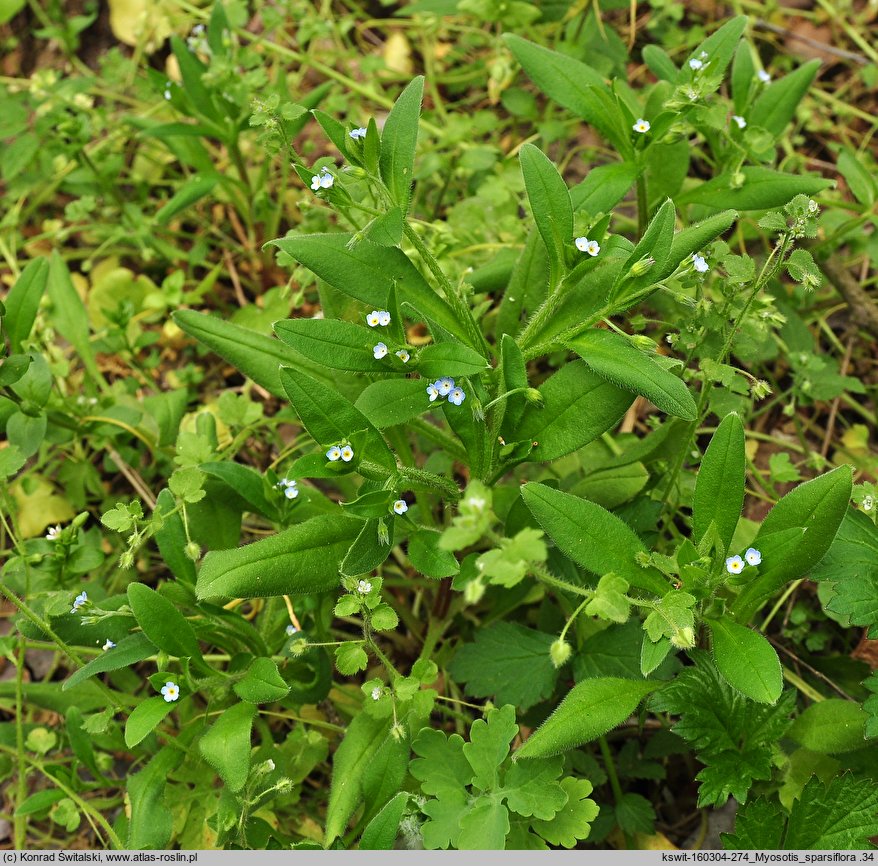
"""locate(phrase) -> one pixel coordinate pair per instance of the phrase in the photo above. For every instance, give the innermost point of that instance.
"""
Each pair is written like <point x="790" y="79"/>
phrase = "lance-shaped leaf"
<point x="258" y="357"/>
<point x="746" y="660"/>
<point x="615" y="359"/>
<point x="578" y="406"/>
<point x="300" y="560"/>
<point x="591" y="536"/>
<point x="762" y="188"/>
<point x="23" y="301"/>
<point x="719" y="487"/>
<point x="335" y="344"/>
<point x="549" y="201"/>
<point x="162" y="623"/>
<point x="695" y="237"/>
<point x="398" y="140"/>
<point x="394" y="401"/>
<point x="815" y="509"/>
<point x="775" y="107"/>
<point x="590" y="709"/>
<point x="130" y="650"/>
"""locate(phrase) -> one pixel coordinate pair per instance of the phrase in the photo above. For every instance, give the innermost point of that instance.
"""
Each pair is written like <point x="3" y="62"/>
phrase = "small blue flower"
<point x="379" y="351"/>
<point x="357" y="134"/>
<point x="734" y="565"/>
<point x="696" y="64"/>
<point x="582" y="244"/>
<point x="291" y="492"/>
<point x="79" y="601"/>
<point x="456" y="396"/>
<point x="403" y="356"/>
<point x="108" y="645"/>
<point x="383" y="318"/>
<point x="444" y="386"/>
<point x="291" y="630"/>
<point x="641" y="125"/>
<point x="700" y="264"/>
<point x="753" y="556"/>
<point x="334" y="453"/>
<point x="400" y="506"/>
<point x="432" y="392"/>
<point x="742" y="124"/>
<point x="763" y="76"/>
<point x="347" y="453"/>
<point x="171" y="691"/>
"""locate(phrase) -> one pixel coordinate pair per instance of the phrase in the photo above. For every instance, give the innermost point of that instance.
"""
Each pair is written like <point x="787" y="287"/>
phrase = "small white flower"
<point x="403" y="356"/>
<point x="400" y="506"/>
<point x="696" y="64"/>
<point x="270" y="765"/>
<point x="171" y="691"/>
<point x="108" y="645"/>
<point x="167" y="94"/>
<point x="373" y="319"/>
<point x="379" y="351"/>
<point x="813" y="207"/>
<point x="582" y="244"/>
<point x="868" y="503"/>
<point x="444" y="386"/>
<point x="315" y="182"/>
<point x="326" y="179"/>
<point x="364" y="587"/>
<point x="376" y="693"/>
<point x="54" y="532"/>
<point x="357" y="134"/>
<point x="641" y="125"/>
<point x="334" y="453"/>
<point x="734" y="565"/>
<point x="79" y="601"/>
<point x="763" y="76"/>
<point x="700" y="264"/>
<point x="291" y="492"/>
<point x="476" y="502"/>
<point x="347" y="454"/>
<point x="753" y="556"/>
<point x="742" y="124"/>
<point x="432" y="391"/>
<point x="197" y="30"/>
<point x="383" y="318"/>
<point x="703" y="55"/>
<point x="692" y="94"/>
<point x="291" y="630"/>
<point x="593" y="248"/>
<point x="456" y="396"/>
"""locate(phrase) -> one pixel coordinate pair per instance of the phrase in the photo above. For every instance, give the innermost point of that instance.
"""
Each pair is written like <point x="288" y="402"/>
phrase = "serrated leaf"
<point x="532" y="788"/>
<point x="589" y="710"/>
<point x="489" y="745"/>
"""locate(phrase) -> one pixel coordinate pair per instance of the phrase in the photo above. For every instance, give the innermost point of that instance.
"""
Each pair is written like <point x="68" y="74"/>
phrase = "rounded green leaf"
<point x="262" y="683"/>
<point x="145" y="718"/>
<point x="746" y="660"/>
<point x="590" y="709"/>
<point x="831" y="727"/>
<point x="162" y="623"/>
<point x="226" y="745"/>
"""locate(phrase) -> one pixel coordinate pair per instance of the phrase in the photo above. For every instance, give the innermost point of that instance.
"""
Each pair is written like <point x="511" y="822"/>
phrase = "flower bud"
<point x="473" y="591"/>
<point x="126" y="560"/>
<point x="193" y="551"/>
<point x="639" y="268"/>
<point x="533" y="396"/>
<point x="560" y="651"/>
<point x="299" y="647"/>
<point x="684" y="638"/>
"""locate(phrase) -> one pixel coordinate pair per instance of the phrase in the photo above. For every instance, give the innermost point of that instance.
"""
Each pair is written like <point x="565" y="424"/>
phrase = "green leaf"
<point x="526" y="288"/>
<point x="151" y="821"/>
<point x="532" y="789"/>
<point x="694" y="238"/>
<point x="450" y="359"/>
<point x="130" y="650"/>
<point x="491" y="666"/>
<point x="831" y="727"/>
<point x="719" y="46"/>
<point x="171" y="538"/>
<point x="719" y="486"/>
<point x="369" y="549"/>
<point x="300" y="560"/>
<point x="331" y="418"/>
<point x="604" y="187"/>
<point x="382" y="830"/>
<point x="590" y="709"/>
<point x="262" y="684"/>
<point x="145" y="718"/>
<point x="398" y="140"/>
<point x="484" y="826"/>
<point x="362" y="739"/>
<point x="549" y="202"/>
<point x="615" y="359"/>
<point x="573" y="823"/>
<point x="652" y="654"/>
<point x="659" y="63"/>
<point x="776" y="105"/>
<point x="841" y="816"/>
<point x="858" y="178"/>
<point x="609" y="601"/>
<point x="733" y="737"/>
<point x="226" y="745"/>
<point x="441" y="767"/>
<point x="578" y="406"/>
<point x="815" y="508"/>
<point x="23" y="301"/>
<point x="162" y="623"/>
<point x="68" y="314"/>
<point x="746" y="660"/>
<point x="762" y="188"/>
<point x="656" y="245"/>
<point x="393" y="401"/>
<point x="258" y="357"/>
<point x="445" y="813"/>
<point x="612" y="486"/>
<point x="26" y="432"/>
<point x="335" y="344"/>
<point x="247" y="482"/>
<point x="428" y="557"/>
<point x="591" y="536"/>
<point x="350" y="658"/>
<point x="189" y="192"/>
<point x="634" y="814"/>
<point x="489" y="745"/>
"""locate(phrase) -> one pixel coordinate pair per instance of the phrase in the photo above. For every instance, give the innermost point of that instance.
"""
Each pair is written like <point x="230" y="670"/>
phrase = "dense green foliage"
<point x="468" y="459"/>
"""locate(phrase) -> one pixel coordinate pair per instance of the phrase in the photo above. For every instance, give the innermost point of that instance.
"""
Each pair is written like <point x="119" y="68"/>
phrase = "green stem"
<point x="610" y="766"/>
<point x="642" y="205"/>
<point x="20" y="831"/>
